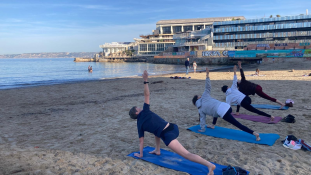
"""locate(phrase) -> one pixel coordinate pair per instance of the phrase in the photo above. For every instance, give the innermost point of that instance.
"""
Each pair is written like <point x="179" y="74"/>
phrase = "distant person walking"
<point x="194" y="66"/>
<point x="187" y="64"/>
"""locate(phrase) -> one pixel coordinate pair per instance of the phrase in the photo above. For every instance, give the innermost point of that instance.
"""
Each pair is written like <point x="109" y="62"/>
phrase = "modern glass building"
<point x="185" y="31"/>
<point x="239" y="33"/>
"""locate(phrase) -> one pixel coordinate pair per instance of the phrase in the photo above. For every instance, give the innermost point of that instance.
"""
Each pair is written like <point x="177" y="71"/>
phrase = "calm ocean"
<point x="17" y="73"/>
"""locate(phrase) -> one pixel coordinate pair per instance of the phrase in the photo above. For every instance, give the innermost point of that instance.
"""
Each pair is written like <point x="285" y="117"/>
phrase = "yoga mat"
<point x="174" y="161"/>
<point x="232" y="134"/>
<point x="265" y="106"/>
<point x="261" y="119"/>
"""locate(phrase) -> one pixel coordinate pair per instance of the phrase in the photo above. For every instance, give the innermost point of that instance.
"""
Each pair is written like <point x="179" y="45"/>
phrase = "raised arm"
<point x="235" y="79"/>
<point x="208" y="86"/>
<point x="146" y="87"/>
<point x="241" y="70"/>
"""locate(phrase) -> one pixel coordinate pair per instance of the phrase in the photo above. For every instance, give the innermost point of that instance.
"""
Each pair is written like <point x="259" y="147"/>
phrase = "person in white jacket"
<point x="215" y="108"/>
<point x="234" y="96"/>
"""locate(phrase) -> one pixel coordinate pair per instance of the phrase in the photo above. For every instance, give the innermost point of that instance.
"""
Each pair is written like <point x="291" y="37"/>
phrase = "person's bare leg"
<point x="179" y="149"/>
<point x="282" y="104"/>
<point x="257" y="136"/>
<point x="157" y="149"/>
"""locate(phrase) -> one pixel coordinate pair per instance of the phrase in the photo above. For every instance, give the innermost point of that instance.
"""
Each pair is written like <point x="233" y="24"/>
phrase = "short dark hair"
<point x="224" y="88"/>
<point x="194" y="100"/>
<point x="132" y="112"/>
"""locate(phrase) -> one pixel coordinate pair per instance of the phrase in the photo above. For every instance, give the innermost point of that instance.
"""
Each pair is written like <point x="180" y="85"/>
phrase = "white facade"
<point x="115" y="47"/>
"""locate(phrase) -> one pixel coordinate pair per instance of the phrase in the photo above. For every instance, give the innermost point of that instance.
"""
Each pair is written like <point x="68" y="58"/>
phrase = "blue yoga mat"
<point x="265" y="106"/>
<point x="174" y="161"/>
<point x="220" y="132"/>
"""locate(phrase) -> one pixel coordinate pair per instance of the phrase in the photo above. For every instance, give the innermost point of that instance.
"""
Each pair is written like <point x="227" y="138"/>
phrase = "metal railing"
<point x="263" y="35"/>
<point x="190" y="43"/>
<point x="263" y="20"/>
<point x="263" y="27"/>
<point x="234" y="44"/>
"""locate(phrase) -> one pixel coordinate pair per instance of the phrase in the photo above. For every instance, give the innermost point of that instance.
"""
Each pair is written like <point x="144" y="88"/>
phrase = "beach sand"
<point x="84" y="128"/>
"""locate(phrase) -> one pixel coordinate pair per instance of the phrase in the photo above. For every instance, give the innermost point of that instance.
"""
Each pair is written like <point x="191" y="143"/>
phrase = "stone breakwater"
<point x="112" y="59"/>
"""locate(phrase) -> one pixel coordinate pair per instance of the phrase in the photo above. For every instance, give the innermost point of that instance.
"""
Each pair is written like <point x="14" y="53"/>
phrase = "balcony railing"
<point x="263" y="27"/>
<point x="196" y="33"/>
<point x="263" y="20"/>
<point x="263" y="35"/>
<point x="190" y="43"/>
<point x="233" y="44"/>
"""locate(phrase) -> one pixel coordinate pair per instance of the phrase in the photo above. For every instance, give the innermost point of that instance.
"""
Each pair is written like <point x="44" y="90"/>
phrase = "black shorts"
<point x="169" y="134"/>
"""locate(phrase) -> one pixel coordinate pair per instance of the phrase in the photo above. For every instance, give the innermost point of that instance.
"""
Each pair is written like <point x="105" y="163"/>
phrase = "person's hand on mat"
<point x="237" y="113"/>
<point x="138" y="155"/>
<point x="211" y="126"/>
<point x="145" y="75"/>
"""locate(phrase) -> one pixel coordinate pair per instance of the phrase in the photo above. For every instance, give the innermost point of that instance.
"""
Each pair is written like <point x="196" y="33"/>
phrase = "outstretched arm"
<point x="146" y="87"/>
<point x="235" y="79"/>
<point x="141" y="147"/>
<point x="202" y="122"/>
<point x="241" y="70"/>
<point x="207" y="83"/>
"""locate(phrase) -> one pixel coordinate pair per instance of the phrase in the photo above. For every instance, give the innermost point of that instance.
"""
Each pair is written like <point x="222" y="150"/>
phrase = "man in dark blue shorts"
<point x="168" y="132"/>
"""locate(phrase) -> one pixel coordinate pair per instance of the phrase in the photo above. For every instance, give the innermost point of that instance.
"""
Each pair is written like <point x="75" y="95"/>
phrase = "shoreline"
<point x="112" y="78"/>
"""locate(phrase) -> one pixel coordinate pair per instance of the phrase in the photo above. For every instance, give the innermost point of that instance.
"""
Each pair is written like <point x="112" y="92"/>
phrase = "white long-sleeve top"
<point x="207" y="105"/>
<point x="233" y="95"/>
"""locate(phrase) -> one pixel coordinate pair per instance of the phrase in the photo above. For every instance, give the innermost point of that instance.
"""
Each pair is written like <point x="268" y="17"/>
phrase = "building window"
<point x="143" y="47"/>
<point x="151" y="47"/>
<point x="187" y="28"/>
<point x="167" y="44"/>
<point x="160" y="47"/>
<point x="199" y="27"/>
<point x="177" y="29"/>
<point x="166" y="30"/>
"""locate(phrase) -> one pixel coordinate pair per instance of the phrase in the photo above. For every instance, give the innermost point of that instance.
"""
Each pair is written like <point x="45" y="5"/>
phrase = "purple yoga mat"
<point x="261" y="119"/>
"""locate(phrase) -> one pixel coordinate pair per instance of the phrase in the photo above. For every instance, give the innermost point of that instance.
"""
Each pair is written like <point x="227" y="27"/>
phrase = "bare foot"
<point x="211" y="170"/>
<point x="272" y="119"/>
<point x="257" y="136"/>
<point x="155" y="152"/>
<point x="282" y="106"/>
<point x="237" y="113"/>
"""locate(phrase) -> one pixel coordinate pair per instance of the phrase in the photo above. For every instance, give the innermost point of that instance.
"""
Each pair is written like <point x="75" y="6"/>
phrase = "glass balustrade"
<point x="262" y="20"/>
<point x="263" y="27"/>
<point x="234" y="44"/>
<point x="264" y="35"/>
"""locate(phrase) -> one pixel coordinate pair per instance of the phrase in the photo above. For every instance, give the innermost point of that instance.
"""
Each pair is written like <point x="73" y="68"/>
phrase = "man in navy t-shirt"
<point x="168" y="132"/>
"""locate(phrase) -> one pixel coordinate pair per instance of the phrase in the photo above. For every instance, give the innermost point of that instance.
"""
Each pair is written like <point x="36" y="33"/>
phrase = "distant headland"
<point x="51" y="55"/>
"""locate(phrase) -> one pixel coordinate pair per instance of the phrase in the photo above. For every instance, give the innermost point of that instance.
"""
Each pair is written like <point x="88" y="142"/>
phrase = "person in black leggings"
<point x="207" y="105"/>
<point x="234" y="96"/>
<point x="229" y="118"/>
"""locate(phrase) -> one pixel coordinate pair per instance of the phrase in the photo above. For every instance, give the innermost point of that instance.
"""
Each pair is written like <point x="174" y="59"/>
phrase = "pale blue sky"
<point x="29" y="26"/>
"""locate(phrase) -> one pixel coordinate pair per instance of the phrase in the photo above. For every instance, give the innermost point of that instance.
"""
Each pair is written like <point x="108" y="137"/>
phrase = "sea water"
<point x="17" y="73"/>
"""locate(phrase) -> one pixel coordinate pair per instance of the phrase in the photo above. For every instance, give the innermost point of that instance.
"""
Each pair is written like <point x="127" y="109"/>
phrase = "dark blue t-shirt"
<point x="187" y="63"/>
<point x="149" y="121"/>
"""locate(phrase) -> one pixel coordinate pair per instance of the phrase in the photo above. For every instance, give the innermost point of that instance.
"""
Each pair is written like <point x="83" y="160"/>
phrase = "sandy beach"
<point x="84" y="128"/>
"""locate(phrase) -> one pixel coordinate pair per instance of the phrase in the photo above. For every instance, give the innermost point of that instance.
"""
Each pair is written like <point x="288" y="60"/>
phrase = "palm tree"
<point x="278" y="16"/>
<point x="233" y="19"/>
<point x="271" y="16"/>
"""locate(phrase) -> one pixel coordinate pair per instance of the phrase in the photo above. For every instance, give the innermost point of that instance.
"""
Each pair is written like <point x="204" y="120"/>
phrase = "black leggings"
<point x="246" y="103"/>
<point x="229" y="118"/>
